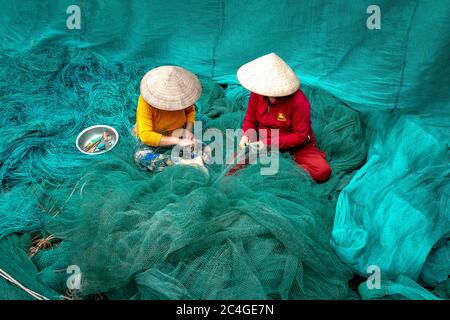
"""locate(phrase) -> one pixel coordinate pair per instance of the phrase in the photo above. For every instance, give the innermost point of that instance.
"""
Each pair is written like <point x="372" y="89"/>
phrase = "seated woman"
<point x="276" y="102"/>
<point x="165" y="114"/>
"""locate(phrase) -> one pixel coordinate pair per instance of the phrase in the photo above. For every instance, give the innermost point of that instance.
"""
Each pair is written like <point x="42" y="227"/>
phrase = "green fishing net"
<point x="183" y="233"/>
<point x="16" y="263"/>
<point x="380" y="111"/>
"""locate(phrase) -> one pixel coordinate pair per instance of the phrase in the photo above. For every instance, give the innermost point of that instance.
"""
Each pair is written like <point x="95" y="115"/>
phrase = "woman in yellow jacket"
<point x="165" y="114"/>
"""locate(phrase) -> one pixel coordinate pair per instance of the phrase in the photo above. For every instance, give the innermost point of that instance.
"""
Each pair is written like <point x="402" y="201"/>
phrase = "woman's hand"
<point x="188" y="135"/>
<point x="244" y="141"/>
<point x="258" y="144"/>
<point x="185" y="142"/>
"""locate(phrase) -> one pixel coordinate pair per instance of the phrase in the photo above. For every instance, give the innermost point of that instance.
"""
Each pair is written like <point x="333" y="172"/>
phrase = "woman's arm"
<point x="169" y="141"/>
<point x="190" y="126"/>
<point x="190" y="119"/>
<point x="301" y="120"/>
<point x="149" y="137"/>
<point x="250" y="122"/>
<point x="144" y="121"/>
<point x="190" y="116"/>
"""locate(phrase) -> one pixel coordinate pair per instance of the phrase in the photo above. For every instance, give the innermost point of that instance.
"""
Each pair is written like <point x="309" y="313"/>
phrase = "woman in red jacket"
<point x="276" y="102"/>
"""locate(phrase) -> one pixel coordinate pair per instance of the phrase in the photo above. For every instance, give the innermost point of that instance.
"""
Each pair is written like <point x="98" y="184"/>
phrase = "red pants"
<point x="310" y="158"/>
<point x="313" y="160"/>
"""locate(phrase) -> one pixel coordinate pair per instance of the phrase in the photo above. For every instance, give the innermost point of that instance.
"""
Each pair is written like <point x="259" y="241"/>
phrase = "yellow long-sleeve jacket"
<point x="153" y="123"/>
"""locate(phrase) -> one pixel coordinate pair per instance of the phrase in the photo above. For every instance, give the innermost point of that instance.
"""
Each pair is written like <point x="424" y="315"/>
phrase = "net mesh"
<point x="184" y="234"/>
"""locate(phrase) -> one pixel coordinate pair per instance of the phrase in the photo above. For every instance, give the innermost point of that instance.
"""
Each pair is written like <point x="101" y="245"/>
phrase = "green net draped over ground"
<point x="380" y="110"/>
<point x="180" y="233"/>
<point x="15" y="262"/>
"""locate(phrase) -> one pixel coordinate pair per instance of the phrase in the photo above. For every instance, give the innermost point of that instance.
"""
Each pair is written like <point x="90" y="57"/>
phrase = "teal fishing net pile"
<point x="17" y="266"/>
<point x="380" y="110"/>
<point x="44" y="106"/>
<point x="412" y="211"/>
<point x="180" y="233"/>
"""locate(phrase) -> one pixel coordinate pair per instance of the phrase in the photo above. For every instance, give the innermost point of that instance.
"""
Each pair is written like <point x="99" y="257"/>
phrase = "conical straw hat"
<point x="170" y="88"/>
<point x="269" y="75"/>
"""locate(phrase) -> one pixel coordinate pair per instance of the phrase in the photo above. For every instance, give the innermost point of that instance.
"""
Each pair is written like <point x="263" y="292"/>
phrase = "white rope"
<point x="17" y="283"/>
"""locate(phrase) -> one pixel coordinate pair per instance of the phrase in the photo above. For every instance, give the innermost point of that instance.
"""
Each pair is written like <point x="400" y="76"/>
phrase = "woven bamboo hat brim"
<point x="170" y="88"/>
<point x="269" y="76"/>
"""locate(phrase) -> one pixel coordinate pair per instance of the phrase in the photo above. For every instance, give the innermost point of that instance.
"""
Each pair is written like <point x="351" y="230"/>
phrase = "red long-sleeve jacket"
<point x="291" y="115"/>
